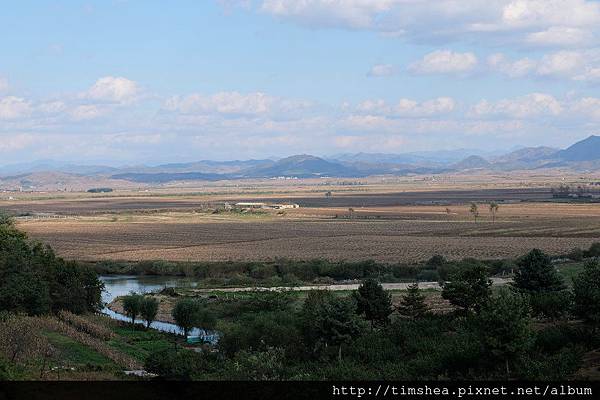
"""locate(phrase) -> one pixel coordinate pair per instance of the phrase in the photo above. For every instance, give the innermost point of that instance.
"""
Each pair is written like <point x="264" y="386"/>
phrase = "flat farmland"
<point x="384" y="233"/>
<point x="359" y="197"/>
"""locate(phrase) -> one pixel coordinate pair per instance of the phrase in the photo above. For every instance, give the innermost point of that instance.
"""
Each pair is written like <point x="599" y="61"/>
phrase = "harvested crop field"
<point x="94" y="206"/>
<point x="386" y="234"/>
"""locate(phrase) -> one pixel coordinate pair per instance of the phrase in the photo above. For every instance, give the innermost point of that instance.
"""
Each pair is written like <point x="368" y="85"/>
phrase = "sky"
<point x="127" y="82"/>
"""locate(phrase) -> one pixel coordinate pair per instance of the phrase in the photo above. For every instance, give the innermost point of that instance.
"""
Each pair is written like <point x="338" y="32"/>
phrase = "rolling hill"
<point x="47" y="175"/>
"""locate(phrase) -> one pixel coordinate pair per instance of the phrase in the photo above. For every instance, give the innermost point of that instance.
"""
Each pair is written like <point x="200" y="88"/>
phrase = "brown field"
<point x="383" y="233"/>
<point x="395" y="219"/>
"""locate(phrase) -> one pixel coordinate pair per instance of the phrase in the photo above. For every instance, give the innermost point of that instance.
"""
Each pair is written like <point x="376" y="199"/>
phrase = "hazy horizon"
<point x="132" y="82"/>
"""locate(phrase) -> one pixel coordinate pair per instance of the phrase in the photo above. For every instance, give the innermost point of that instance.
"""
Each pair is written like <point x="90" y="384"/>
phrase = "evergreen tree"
<point x="586" y="293"/>
<point x="331" y="320"/>
<point x="537" y="278"/>
<point x="413" y="303"/>
<point x="503" y="327"/>
<point x="468" y="287"/>
<point x="373" y="302"/>
<point x="536" y="274"/>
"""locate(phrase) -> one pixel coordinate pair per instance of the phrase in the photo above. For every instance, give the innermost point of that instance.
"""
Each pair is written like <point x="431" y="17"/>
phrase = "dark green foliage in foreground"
<point x="537" y="278"/>
<point x="172" y="364"/>
<point x="413" y="303"/>
<point x="324" y="338"/>
<point x="34" y="281"/>
<point x="536" y="274"/>
<point x="184" y="314"/>
<point x="503" y="327"/>
<point x="468" y="287"/>
<point x="330" y="321"/>
<point x="586" y="293"/>
<point x="373" y="302"/>
<point x="191" y="313"/>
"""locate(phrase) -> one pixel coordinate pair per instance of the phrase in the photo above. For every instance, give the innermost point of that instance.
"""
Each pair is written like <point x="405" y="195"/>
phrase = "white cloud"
<point x="577" y="65"/>
<point x="12" y="107"/>
<point x="52" y="107"/>
<point x="114" y="89"/>
<point x="355" y="14"/>
<point x="561" y="36"/>
<point x="562" y="63"/>
<point x="560" y="23"/>
<point x="444" y="62"/>
<point x="514" y="69"/>
<point x="528" y="106"/>
<point x="235" y="104"/>
<point x="587" y="106"/>
<point x="85" y="112"/>
<point x="381" y="70"/>
<point x="408" y="107"/>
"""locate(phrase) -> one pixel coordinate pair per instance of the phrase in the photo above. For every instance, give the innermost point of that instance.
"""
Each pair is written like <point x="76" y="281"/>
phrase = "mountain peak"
<point x="472" y="162"/>
<point x="585" y="150"/>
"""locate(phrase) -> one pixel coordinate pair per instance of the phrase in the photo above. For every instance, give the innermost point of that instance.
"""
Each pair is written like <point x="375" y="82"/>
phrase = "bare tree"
<point x="474" y="210"/>
<point x="494" y="210"/>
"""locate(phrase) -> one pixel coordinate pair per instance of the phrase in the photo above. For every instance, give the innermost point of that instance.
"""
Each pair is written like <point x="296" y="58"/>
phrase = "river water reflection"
<point x="121" y="285"/>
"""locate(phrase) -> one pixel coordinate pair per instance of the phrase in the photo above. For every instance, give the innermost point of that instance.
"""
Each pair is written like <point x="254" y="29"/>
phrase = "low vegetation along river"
<point x="122" y="285"/>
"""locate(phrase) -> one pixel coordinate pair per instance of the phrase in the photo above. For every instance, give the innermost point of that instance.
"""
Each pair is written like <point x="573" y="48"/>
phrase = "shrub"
<point x="594" y="250"/>
<point x="179" y="365"/>
<point x="551" y="305"/>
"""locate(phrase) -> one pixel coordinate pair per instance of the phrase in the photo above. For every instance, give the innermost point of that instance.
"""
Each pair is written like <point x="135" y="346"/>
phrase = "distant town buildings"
<point x="255" y="205"/>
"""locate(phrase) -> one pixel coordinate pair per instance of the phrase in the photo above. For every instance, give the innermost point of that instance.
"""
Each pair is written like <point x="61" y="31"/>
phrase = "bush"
<point x="576" y="254"/>
<point x="551" y="305"/>
<point x="553" y="367"/>
<point x="594" y="250"/>
<point x="178" y="365"/>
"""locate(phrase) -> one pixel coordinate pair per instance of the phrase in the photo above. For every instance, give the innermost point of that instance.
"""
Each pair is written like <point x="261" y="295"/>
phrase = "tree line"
<point x="34" y="281"/>
<point x="491" y="333"/>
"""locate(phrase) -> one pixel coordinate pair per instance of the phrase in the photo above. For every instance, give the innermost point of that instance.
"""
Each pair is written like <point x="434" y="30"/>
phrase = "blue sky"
<point x="124" y="82"/>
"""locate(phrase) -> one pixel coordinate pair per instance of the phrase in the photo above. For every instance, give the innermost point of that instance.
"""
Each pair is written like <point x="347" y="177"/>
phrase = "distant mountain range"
<point x="49" y="175"/>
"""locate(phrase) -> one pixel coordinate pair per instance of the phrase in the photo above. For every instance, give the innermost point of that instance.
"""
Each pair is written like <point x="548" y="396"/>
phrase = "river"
<point x="121" y="285"/>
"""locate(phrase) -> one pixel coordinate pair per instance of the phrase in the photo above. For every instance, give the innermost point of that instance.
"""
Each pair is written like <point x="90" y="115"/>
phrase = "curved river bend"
<point x="121" y="285"/>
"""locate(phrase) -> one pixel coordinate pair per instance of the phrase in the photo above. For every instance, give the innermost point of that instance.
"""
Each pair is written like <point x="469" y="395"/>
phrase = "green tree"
<point x="535" y="274"/>
<point x="132" y="306"/>
<point x="373" y="302"/>
<point x="185" y="314"/>
<point x="330" y="320"/>
<point x="413" y="304"/>
<point x="468" y="287"/>
<point x="34" y="281"/>
<point x="503" y="327"/>
<point x="148" y="309"/>
<point x="5" y="218"/>
<point x="586" y="293"/>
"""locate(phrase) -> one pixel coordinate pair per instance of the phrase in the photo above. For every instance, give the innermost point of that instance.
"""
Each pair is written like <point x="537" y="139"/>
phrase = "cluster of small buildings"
<point x="255" y="205"/>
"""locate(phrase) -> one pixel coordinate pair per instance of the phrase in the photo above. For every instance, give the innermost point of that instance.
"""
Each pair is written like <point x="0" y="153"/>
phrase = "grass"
<point x="139" y="343"/>
<point x="569" y="270"/>
<point x="73" y="353"/>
